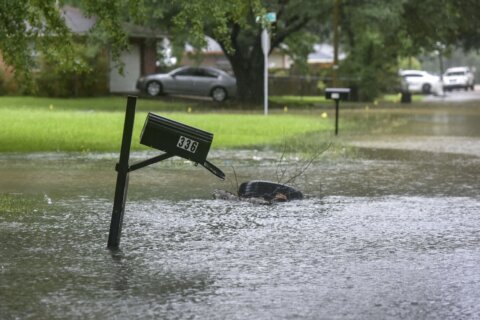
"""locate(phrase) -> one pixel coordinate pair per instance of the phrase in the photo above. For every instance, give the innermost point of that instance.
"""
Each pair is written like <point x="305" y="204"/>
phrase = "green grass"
<point x="98" y="104"/>
<point x="396" y="98"/>
<point x="297" y="100"/>
<point x="36" y="124"/>
<point x="304" y="101"/>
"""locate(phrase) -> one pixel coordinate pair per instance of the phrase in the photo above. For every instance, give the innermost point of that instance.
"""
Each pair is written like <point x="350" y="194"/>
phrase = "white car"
<point x="458" y="78"/>
<point x="419" y="81"/>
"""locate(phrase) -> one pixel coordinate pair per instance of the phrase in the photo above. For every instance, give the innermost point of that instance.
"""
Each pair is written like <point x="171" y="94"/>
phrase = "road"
<point x="456" y="96"/>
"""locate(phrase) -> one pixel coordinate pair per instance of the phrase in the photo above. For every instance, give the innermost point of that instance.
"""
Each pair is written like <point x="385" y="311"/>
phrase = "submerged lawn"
<point x="67" y="125"/>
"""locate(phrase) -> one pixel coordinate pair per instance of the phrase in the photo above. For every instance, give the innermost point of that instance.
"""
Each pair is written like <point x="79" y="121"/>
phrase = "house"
<point x="212" y="55"/>
<point x="140" y="58"/>
<point x="322" y="56"/>
<point x="209" y="56"/>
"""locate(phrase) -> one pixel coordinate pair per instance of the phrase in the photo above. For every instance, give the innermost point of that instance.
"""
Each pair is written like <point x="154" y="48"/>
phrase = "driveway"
<point x="456" y="96"/>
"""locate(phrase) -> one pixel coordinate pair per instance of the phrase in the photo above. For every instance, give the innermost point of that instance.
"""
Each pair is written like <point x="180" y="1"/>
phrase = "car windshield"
<point x="457" y="73"/>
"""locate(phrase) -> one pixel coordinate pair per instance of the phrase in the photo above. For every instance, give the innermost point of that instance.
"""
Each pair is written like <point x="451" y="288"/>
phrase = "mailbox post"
<point x="121" y="186"/>
<point x="174" y="138"/>
<point x="337" y="94"/>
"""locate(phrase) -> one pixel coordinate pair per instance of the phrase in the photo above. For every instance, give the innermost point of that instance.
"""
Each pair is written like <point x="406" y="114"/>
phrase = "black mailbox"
<point x="176" y="138"/>
<point x="337" y="93"/>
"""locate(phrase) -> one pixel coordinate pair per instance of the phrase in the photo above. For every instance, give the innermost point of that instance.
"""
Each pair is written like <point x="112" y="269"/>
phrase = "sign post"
<point x="268" y="18"/>
<point x="266" y="49"/>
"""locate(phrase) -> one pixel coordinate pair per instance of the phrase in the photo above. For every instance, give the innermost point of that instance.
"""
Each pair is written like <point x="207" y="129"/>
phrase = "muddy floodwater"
<point x="389" y="229"/>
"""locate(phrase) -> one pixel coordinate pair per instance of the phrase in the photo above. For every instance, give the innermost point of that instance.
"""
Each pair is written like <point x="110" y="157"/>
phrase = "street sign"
<point x="271" y="17"/>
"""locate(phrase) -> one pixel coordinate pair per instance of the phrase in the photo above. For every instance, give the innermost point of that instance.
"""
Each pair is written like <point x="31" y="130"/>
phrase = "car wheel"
<point x="426" y="88"/>
<point x="154" y="88"/>
<point x="219" y="94"/>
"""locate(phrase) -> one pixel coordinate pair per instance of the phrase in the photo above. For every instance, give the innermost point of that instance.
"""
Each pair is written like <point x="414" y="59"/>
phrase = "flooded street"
<point x="388" y="230"/>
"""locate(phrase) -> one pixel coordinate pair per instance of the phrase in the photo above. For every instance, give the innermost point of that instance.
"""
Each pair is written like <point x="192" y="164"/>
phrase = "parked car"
<point x="458" y="78"/>
<point x="200" y="81"/>
<point x="419" y="81"/>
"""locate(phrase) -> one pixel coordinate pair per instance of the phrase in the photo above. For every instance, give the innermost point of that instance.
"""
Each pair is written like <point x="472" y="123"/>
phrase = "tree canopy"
<point x="374" y="33"/>
<point x="30" y="26"/>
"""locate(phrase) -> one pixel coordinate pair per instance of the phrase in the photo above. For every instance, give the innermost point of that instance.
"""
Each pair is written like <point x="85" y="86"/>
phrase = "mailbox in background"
<point x="337" y="93"/>
<point x="176" y="138"/>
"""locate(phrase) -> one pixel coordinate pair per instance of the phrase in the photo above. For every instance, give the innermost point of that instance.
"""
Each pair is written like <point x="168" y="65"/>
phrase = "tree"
<point x="374" y="32"/>
<point x="30" y="28"/>
<point x="378" y="33"/>
<point x="27" y="27"/>
<point x="370" y="30"/>
<point x="237" y="25"/>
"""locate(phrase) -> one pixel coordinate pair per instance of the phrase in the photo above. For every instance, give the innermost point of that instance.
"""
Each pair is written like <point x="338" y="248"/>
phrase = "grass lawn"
<point x="304" y="101"/>
<point x="43" y="124"/>
<point x="298" y="100"/>
<point x="396" y="98"/>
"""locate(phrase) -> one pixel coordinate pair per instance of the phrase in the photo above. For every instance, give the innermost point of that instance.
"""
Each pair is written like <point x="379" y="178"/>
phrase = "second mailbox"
<point x="337" y="93"/>
<point x="176" y="138"/>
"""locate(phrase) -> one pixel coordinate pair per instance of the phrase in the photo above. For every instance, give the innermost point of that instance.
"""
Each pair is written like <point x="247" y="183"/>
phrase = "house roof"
<point x="212" y="47"/>
<point x="76" y="21"/>
<point x="79" y="23"/>
<point x="323" y="53"/>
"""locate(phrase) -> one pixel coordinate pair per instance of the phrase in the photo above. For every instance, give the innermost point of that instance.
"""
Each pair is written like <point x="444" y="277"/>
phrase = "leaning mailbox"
<point x="337" y="94"/>
<point x="171" y="137"/>
<point x="176" y="138"/>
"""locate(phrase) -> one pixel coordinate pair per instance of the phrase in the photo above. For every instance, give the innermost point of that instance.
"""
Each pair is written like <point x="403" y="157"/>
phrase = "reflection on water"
<point x="385" y="232"/>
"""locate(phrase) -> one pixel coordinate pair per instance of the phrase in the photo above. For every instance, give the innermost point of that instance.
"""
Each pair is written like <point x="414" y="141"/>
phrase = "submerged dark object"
<point x="260" y="192"/>
<point x="269" y="191"/>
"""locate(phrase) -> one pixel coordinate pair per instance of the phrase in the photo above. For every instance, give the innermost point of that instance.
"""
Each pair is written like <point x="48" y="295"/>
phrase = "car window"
<point x="413" y="75"/>
<point x="185" y="72"/>
<point x="206" y="73"/>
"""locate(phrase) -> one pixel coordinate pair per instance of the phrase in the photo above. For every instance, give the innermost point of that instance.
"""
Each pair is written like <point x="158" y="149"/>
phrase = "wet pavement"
<point x="458" y="95"/>
<point x="388" y="230"/>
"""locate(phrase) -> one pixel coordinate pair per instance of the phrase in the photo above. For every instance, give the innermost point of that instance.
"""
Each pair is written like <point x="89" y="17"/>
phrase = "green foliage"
<point x="370" y="30"/>
<point x="33" y="28"/>
<point x="236" y="25"/>
<point x="29" y="27"/>
<point x="89" y="79"/>
<point x="449" y="22"/>
<point x="298" y="46"/>
<point x="409" y="63"/>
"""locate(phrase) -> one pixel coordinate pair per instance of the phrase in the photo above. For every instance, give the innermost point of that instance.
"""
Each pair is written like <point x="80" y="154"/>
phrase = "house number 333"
<point x="187" y="144"/>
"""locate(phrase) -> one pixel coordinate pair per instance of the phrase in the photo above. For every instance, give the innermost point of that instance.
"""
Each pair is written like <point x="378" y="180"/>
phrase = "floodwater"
<point x="388" y="230"/>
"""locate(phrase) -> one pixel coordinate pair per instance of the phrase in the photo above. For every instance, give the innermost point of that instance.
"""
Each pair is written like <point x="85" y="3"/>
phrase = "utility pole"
<point x="336" y="36"/>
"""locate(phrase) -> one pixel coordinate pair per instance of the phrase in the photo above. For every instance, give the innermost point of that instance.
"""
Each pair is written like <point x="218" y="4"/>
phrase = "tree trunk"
<point x="248" y="70"/>
<point x="249" y="82"/>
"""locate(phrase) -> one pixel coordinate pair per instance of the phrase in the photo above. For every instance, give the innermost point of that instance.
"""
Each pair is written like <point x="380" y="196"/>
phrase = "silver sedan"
<point x="199" y="81"/>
